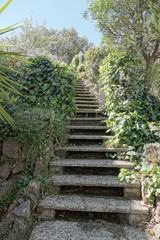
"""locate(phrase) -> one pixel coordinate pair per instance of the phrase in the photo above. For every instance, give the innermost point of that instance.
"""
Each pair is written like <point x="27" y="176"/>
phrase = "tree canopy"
<point x="67" y="42"/>
<point x="133" y="23"/>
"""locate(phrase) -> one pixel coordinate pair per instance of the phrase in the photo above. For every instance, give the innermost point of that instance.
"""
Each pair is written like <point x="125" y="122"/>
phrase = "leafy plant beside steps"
<point x="48" y="85"/>
<point x="40" y="113"/>
<point x="130" y="113"/>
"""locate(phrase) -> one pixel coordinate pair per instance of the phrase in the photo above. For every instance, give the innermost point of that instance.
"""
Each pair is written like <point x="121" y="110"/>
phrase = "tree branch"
<point x="156" y="47"/>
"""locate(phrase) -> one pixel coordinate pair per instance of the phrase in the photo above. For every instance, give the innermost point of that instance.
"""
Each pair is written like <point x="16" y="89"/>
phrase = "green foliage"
<point x="129" y="108"/>
<point x="75" y="60"/>
<point x="81" y="68"/>
<point x="130" y="22"/>
<point x="148" y="170"/>
<point x="35" y="129"/>
<point x="67" y="43"/>
<point x="48" y="85"/>
<point x="6" y="85"/>
<point x="93" y="59"/>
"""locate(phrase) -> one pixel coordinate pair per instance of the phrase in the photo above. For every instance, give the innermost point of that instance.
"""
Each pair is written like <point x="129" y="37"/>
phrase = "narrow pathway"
<point x="87" y="202"/>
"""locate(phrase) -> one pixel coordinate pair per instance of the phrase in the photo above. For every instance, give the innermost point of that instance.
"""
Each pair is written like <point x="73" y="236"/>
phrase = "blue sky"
<point x="56" y="14"/>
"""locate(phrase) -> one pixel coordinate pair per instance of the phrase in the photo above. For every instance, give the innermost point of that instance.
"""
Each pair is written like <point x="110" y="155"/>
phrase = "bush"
<point x="93" y="59"/>
<point x="81" y="68"/>
<point x="129" y="108"/>
<point x="48" y="85"/>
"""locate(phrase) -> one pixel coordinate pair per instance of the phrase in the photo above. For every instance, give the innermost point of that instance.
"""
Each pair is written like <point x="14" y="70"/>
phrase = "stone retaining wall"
<point x="21" y="213"/>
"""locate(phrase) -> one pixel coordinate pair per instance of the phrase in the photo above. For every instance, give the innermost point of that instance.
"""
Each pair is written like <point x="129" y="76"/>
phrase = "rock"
<point x="34" y="188"/>
<point x="10" y="148"/>
<point x="156" y="231"/>
<point x="21" y="229"/>
<point x="40" y="168"/>
<point x="5" y="170"/>
<point x="34" y="201"/>
<point x="18" y="168"/>
<point x="20" y="200"/>
<point x="9" y="184"/>
<point x="157" y="213"/>
<point x="23" y="210"/>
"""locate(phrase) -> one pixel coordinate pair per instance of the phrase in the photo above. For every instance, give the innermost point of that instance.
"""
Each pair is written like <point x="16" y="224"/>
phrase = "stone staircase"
<point x="84" y="183"/>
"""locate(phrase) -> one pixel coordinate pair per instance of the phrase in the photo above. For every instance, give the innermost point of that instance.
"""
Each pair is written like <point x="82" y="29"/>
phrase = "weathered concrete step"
<point x="98" y="163"/>
<point x="83" y="92"/>
<point x="88" y="119"/>
<point x="85" y="95"/>
<point x="89" y="137"/>
<point x="73" y="127"/>
<point x="86" y="230"/>
<point x="89" y="98"/>
<point x="87" y="102"/>
<point x="88" y="106"/>
<point x="91" y="181"/>
<point x="92" y="149"/>
<point x="94" y="181"/>
<point x="92" y="204"/>
<point x="88" y="111"/>
<point x="82" y="89"/>
<point x="67" y="230"/>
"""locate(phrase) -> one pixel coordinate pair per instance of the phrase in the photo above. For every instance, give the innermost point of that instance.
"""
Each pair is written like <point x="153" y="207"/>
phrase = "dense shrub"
<point x="129" y="108"/>
<point x="81" y="68"/>
<point x="48" y="85"/>
<point x="93" y="59"/>
<point x="75" y="60"/>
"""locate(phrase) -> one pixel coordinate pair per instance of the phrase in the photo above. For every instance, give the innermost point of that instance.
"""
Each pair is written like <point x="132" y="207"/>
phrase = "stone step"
<point x="73" y="127"/>
<point x="89" y="106"/>
<point x="91" y="181"/>
<point x="93" y="149"/>
<point x="88" y="111"/>
<point x="86" y="230"/>
<point x="135" y="210"/>
<point x="89" y="98"/>
<point x="85" y="95"/>
<point x="87" y="102"/>
<point x="94" y="121"/>
<point x="89" y="137"/>
<point x="88" y="119"/>
<point x="83" y="92"/>
<point x="98" y="163"/>
<point x="82" y="89"/>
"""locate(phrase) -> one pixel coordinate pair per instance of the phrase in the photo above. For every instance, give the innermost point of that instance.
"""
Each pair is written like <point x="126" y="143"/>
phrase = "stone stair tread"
<point x="86" y="230"/>
<point x="67" y="230"/>
<point x="89" y="137"/>
<point x="86" y="105"/>
<point x="91" y="180"/>
<point x="91" y="149"/>
<point x="102" y="163"/>
<point x="78" y="102"/>
<point x="85" y="94"/>
<point x="88" y="118"/>
<point x="93" y="204"/>
<point x="89" y="111"/>
<point x="87" y="127"/>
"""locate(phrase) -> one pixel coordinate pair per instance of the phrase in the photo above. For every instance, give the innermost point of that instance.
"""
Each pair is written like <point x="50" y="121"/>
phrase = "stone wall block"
<point x="132" y="193"/>
<point x="10" y="148"/>
<point x="23" y="210"/>
<point x="5" y="170"/>
<point x="34" y="188"/>
<point x="136" y="219"/>
<point x="55" y="170"/>
<point x="47" y="214"/>
<point x="18" y="168"/>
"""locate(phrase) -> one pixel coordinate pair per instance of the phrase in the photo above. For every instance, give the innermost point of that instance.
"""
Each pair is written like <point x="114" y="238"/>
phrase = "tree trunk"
<point x="149" y="67"/>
